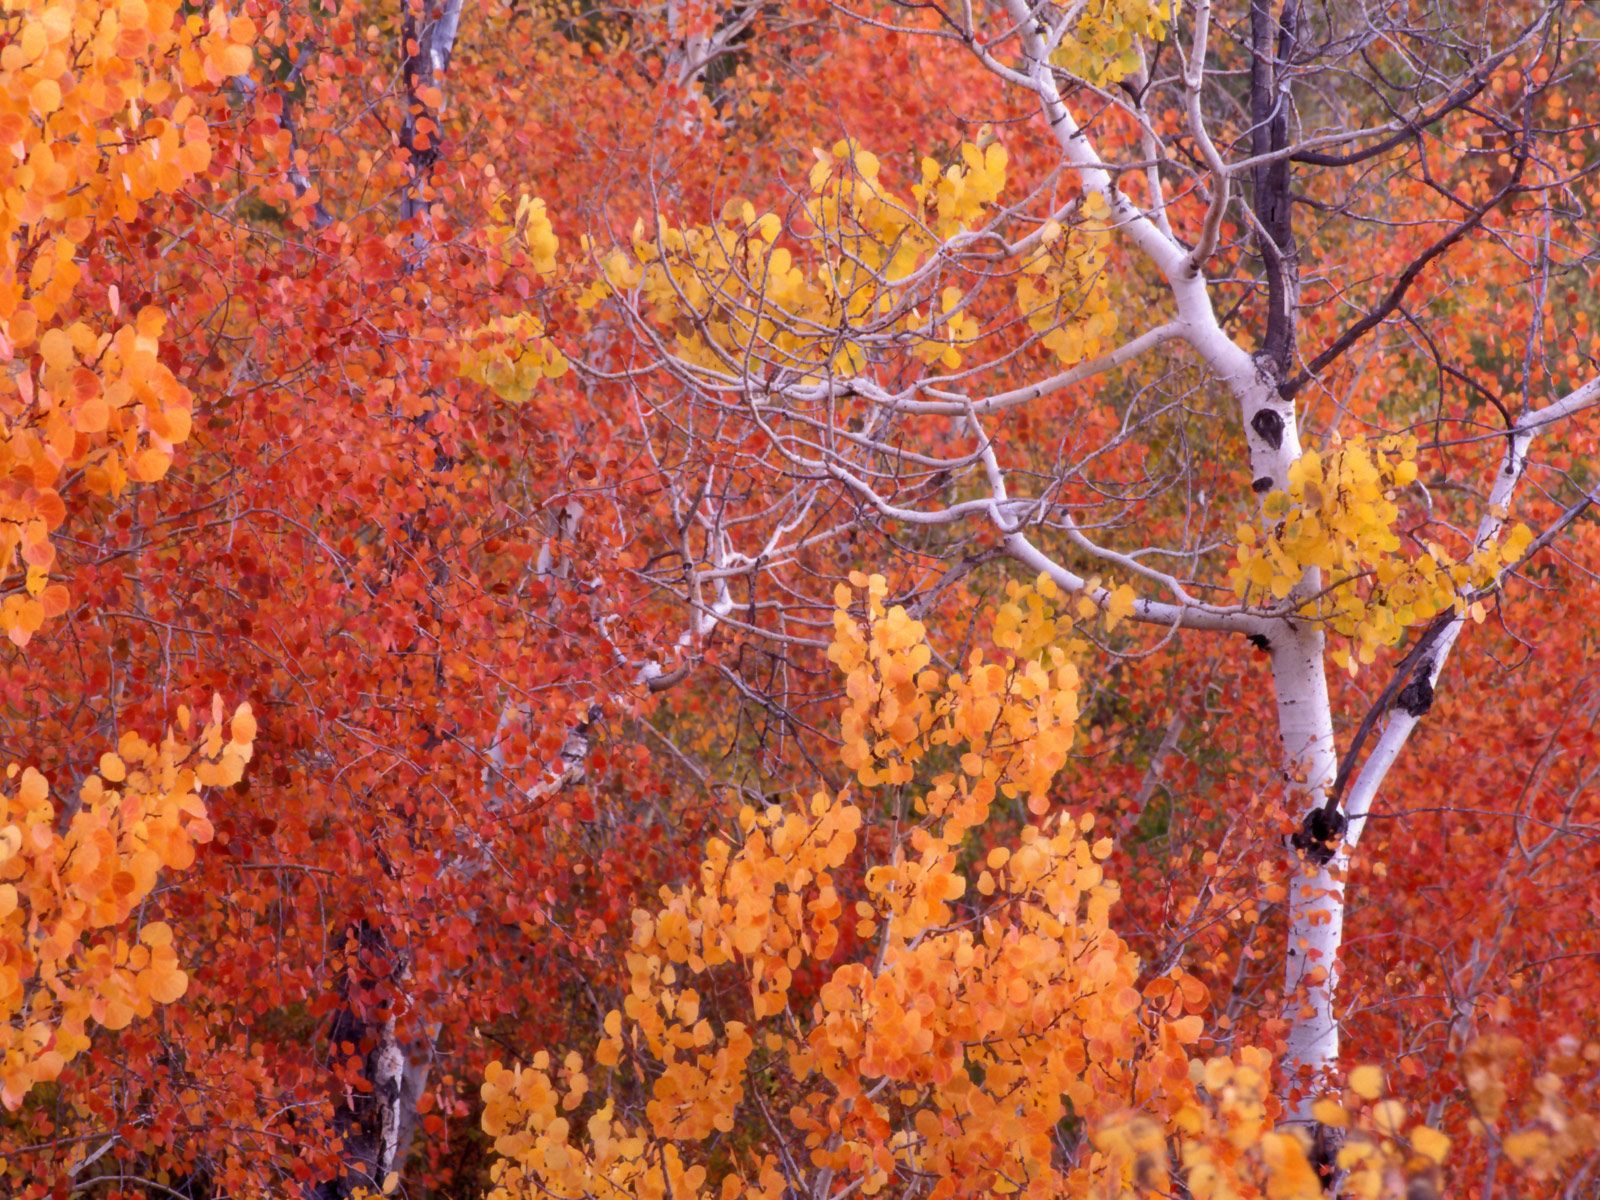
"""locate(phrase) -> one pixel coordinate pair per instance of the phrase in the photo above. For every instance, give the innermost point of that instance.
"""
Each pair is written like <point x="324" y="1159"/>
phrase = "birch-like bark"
<point x="1316" y="891"/>
<point x="1400" y="722"/>
<point x="1305" y="716"/>
<point x="425" y="56"/>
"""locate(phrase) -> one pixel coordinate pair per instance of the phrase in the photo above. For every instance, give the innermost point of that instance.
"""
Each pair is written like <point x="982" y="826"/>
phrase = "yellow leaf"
<point x="150" y="464"/>
<point x="1119" y="605"/>
<point x="1330" y="1113"/>
<point x="1366" y="1082"/>
<point x="234" y="60"/>
<point x="1527" y="1146"/>
<point x="1430" y="1143"/>
<point x="243" y="726"/>
<point x="166" y="987"/>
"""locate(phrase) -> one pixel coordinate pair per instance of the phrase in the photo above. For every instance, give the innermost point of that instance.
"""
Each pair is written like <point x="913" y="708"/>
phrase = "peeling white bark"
<point x="1316" y="893"/>
<point x="1305" y="717"/>
<point x="388" y="1075"/>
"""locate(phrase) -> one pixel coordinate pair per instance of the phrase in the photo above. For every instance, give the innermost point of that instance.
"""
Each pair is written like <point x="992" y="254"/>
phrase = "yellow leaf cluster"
<point x="1102" y="46"/>
<point x="963" y="1028"/>
<point x="851" y="286"/>
<point x="958" y="197"/>
<point x="888" y="687"/>
<point x="942" y="339"/>
<point x="526" y="1114"/>
<point x="1228" y="1142"/>
<point x="1226" y="1146"/>
<point x="512" y="356"/>
<point x="1011" y="719"/>
<point x="1553" y="1124"/>
<point x="533" y="229"/>
<point x="1382" y="1153"/>
<point x="95" y="121"/>
<point x="64" y="897"/>
<point x="980" y="1013"/>
<point x="528" y="230"/>
<point x="1339" y="517"/>
<point x="1061" y="290"/>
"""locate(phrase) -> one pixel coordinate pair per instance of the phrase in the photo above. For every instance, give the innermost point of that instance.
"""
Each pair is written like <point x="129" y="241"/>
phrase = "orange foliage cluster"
<point x="948" y="1053"/>
<point x="64" y="958"/>
<point x="96" y="120"/>
<point x="246" y="448"/>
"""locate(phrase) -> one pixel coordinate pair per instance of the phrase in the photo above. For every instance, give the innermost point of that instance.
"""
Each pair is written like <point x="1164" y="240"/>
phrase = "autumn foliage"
<point x="716" y="598"/>
<point x="97" y="120"/>
<point x="949" y="1047"/>
<point x="67" y="897"/>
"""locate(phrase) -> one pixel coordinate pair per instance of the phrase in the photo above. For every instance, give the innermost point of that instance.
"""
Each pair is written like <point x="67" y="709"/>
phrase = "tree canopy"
<point x="776" y="598"/>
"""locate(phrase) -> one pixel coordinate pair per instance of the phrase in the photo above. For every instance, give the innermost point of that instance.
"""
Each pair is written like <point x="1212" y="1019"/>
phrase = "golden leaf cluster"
<point x="95" y="121"/>
<point x="1553" y="1122"/>
<point x="1061" y="291"/>
<point x="513" y="355"/>
<point x="1339" y="517"/>
<point x="971" y="1011"/>
<point x="1013" y="718"/>
<point x="980" y="1029"/>
<point x="862" y="276"/>
<point x="1102" y="46"/>
<point x="65" y="897"/>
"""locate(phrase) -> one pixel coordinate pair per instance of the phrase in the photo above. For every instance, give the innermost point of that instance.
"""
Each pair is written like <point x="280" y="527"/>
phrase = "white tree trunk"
<point x="1316" y="892"/>
<point x="1305" y="717"/>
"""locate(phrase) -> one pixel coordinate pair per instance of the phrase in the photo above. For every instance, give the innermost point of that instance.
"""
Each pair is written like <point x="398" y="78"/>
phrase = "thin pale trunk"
<point x="425" y="56"/>
<point x="368" y="1121"/>
<point x="1305" y="718"/>
<point x="1316" y="887"/>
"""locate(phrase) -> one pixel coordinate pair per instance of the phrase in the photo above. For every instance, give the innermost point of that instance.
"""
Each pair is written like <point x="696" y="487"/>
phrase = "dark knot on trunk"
<point x="1319" y="834"/>
<point x="1416" y="698"/>
<point x="1268" y="426"/>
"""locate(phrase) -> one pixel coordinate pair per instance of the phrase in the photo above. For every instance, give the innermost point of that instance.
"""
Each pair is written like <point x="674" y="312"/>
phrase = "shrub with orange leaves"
<point x="981" y="1030"/>
<point x="980" y="1014"/>
<point x="95" y="122"/>
<point x="66" y="957"/>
